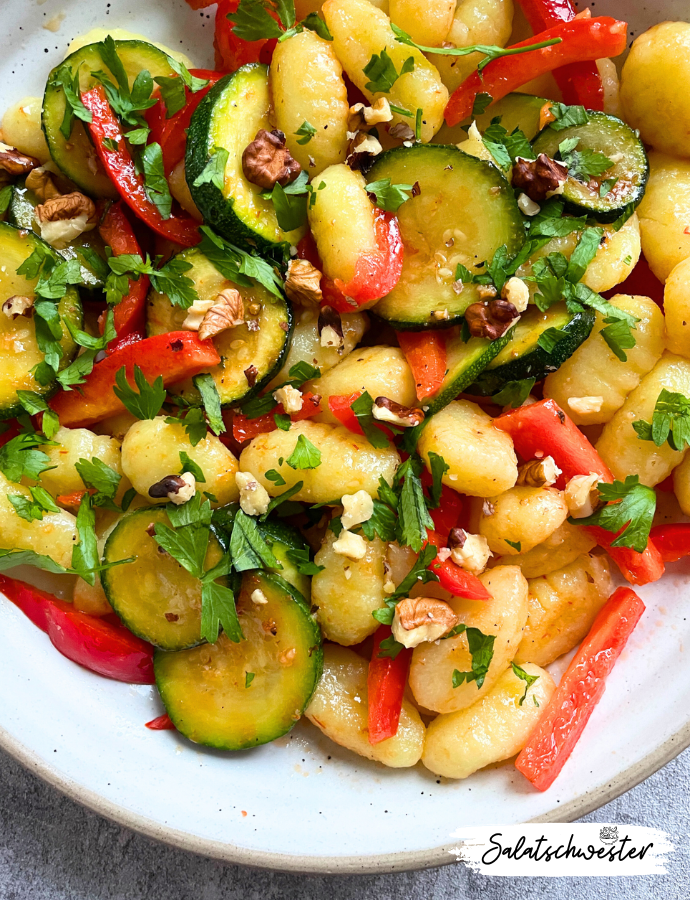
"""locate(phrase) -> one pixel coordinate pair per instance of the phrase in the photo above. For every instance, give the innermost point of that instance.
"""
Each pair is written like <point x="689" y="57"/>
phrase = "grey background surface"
<point x="53" y="849"/>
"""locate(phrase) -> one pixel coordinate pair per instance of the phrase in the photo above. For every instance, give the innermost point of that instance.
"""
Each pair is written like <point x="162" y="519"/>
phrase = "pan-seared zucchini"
<point x="515" y="111"/>
<point x="261" y="342"/>
<point x="464" y="211"/>
<point x="235" y="696"/>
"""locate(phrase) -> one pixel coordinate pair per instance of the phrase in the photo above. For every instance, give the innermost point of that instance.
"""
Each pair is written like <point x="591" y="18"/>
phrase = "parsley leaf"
<point x="253" y="20"/>
<point x="97" y="475"/>
<point x="514" y="393"/>
<point x="218" y="609"/>
<point x="630" y="506"/>
<point x="528" y="679"/>
<point x="33" y="508"/>
<point x="315" y="23"/>
<point x="34" y="404"/>
<point x="210" y="397"/>
<point x="305" y="132"/>
<point x="147" y="403"/>
<point x="505" y="147"/>
<point x="413" y="516"/>
<point x="301" y="559"/>
<point x="548" y="340"/>
<point x="362" y="408"/>
<point x="382" y="521"/>
<point x="389" y="648"/>
<point x="584" y="253"/>
<point x="566" y="116"/>
<point x="85" y="557"/>
<point x="275" y="477"/>
<point x="188" y="538"/>
<point x="173" y="89"/>
<point x="305" y="455"/>
<point x="389" y="196"/>
<point x="420" y="573"/>
<point x="583" y="164"/>
<point x="155" y="182"/>
<point x="74" y="108"/>
<point x="481" y="102"/>
<point x="248" y="678"/>
<point x="19" y="457"/>
<point x="670" y="421"/>
<point x="482" y="650"/>
<point x="439" y="467"/>
<point x="282" y="498"/>
<point x="382" y="73"/>
<point x="248" y="547"/>
<point x="516" y="545"/>
<point x="188" y="465"/>
<point x="236" y="265"/>
<point x="290" y="205"/>
<point x="214" y="170"/>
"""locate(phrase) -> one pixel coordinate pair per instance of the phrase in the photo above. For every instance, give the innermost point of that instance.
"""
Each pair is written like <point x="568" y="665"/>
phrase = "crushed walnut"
<point x="581" y="495"/>
<point x="41" y="183"/>
<point x="362" y="116"/>
<point x="362" y="148"/>
<point x="254" y="499"/>
<point x="267" y="161"/>
<point x="290" y="398"/>
<point x="540" y="177"/>
<point x="64" y="218"/>
<point x="515" y="291"/>
<point x="421" y="619"/>
<point x="227" y="312"/>
<point x="303" y="283"/>
<point x="18" y="306"/>
<point x="401" y="132"/>
<point x="538" y="473"/>
<point x="176" y="488"/>
<point x="386" y="410"/>
<point x="490" y="319"/>
<point x="13" y="163"/>
<point x="357" y="508"/>
<point x="584" y="406"/>
<point x="330" y="328"/>
<point x="469" y="551"/>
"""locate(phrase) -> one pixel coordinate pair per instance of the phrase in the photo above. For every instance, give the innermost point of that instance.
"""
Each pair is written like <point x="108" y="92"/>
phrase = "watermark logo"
<point x="560" y="849"/>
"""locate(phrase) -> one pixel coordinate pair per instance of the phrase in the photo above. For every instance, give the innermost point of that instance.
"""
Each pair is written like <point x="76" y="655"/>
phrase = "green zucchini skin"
<point x="229" y="117"/>
<point x="205" y="691"/>
<point x="76" y="156"/>
<point x="516" y="110"/>
<point x="20" y="213"/>
<point x="464" y="212"/>
<point x="523" y="358"/>
<point x="612" y="137"/>
<point x="147" y="592"/>
<point x="282" y="537"/>
<point x="15" y="247"/>
<point x="264" y="348"/>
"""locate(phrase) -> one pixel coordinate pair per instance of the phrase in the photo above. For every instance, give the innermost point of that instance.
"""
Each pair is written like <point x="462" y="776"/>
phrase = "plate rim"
<point x="378" y="864"/>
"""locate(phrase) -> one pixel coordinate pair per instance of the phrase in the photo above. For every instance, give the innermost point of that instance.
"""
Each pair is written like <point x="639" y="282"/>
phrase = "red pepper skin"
<point x="447" y="515"/>
<point x="580" y="83"/>
<point x="582" y="39"/>
<point x="458" y="581"/>
<point x="425" y="352"/>
<point x="161" y="723"/>
<point x="130" y="312"/>
<point x="12" y="432"/>
<point x="579" y="691"/>
<point x="231" y="51"/>
<point x="171" y="133"/>
<point x="175" y="356"/>
<point x="244" y="429"/>
<point x="385" y="689"/>
<point x="106" y="649"/>
<point x="672" y="541"/>
<point x="339" y="405"/>
<point x="545" y="429"/>
<point x="120" y="167"/>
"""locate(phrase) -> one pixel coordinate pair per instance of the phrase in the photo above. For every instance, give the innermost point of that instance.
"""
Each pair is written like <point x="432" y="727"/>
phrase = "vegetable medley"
<point x="333" y="382"/>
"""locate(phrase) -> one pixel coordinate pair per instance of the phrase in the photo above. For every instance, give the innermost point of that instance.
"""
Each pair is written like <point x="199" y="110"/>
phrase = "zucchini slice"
<point x="76" y="156"/>
<point x="19" y="351"/>
<point x="23" y="202"/>
<point x="616" y="140"/>
<point x="515" y="110"/>
<point x="239" y="347"/>
<point x="281" y="538"/>
<point x="522" y="357"/>
<point x="465" y="363"/>
<point x="209" y="693"/>
<point x="228" y="118"/>
<point x="156" y="598"/>
<point x="464" y="212"/>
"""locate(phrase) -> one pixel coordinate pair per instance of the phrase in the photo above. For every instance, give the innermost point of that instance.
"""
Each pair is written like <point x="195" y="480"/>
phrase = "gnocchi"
<point x="664" y="213"/>
<point x="522" y="517"/>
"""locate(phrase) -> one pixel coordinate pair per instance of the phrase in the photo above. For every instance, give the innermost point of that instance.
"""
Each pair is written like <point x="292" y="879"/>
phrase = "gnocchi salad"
<point x="342" y="381"/>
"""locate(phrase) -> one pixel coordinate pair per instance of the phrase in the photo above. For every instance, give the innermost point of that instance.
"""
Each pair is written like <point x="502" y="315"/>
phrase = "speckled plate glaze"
<point x="303" y="804"/>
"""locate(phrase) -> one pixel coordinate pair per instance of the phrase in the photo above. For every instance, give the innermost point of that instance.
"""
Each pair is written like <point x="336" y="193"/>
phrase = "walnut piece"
<point x="515" y="291"/>
<point x="401" y="132"/>
<point x="64" y="218"/>
<point x="421" y="619"/>
<point x="41" y="183"/>
<point x="365" y="116"/>
<point x="357" y="508"/>
<point x="538" y="473"/>
<point x="386" y="410"/>
<point x="351" y="545"/>
<point x="18" y="306"/>
<point x="267" y="161"/>
<point x="13" y="163"/>
<point x="490" y="319"/>
<point x="538" y="177"/>
<point x="290" y="398"/>
<point x="469" y="551"/>
<point x="303" y="283"/>
<point x="176" y="488"/>
<point x="330" y="328"/>
<point x="226" y="312"/>
<point x="254" y="497"/>
<point x="581" y="495"/>
<point x="362" y="148"/>
<point x="583" y="406"/>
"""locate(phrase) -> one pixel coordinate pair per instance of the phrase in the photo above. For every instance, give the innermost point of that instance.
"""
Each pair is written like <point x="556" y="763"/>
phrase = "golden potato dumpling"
<point x="665" y="213"/>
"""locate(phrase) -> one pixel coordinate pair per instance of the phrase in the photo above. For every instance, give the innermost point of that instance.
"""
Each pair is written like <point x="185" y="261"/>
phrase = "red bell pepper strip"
<point x="174" y="356"/>
<point x="543" y="429"/>
<point x="385" y="689"/>
<point x="579" y="691"/>
<point x="447" y="515"/>
<point x="130" y="312"/>
<point x="672" y="541"/>
<point x="425" y="352"/>
<point x="453" y="578"/>
<point x="120" y="167"/>
<point x="244" y="429"/>
<point x="340" y="405"/>
<point x="582" y="39"/>
<point x="171" y="133"/>
<point x="231" y="51"/>
<point x="161" y="723"/>
<point x="11" y="432"/>
<point x="580" y="83"/>
<point x="110" y="650"/>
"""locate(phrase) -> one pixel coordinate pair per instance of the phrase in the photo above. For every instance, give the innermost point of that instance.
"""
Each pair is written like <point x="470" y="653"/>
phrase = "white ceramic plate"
<point x="302" y="803"/>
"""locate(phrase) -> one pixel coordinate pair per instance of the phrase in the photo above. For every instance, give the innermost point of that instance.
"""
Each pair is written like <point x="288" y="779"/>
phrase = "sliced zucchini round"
<point x="23" y="202"/>
<point x="237" y="696"/>
<point x="240" y="347"/>
<point x="515" y="111"/>
<point x="156" y="598"/>
<point x="76" y="155"/>
<point x="228" y="118"/>
<point x="629" y="170"/>
<point x="282" y="538"/>
<point x="19" y="351"/>
<point x="523" y="358"/>
<point x="464" y="211"/>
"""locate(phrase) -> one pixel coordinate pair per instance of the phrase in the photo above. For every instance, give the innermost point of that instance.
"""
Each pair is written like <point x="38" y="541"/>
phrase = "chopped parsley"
<point x="670" y="421"/>
<point x="630" y="506"/>
<point x="482" y="650"/>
